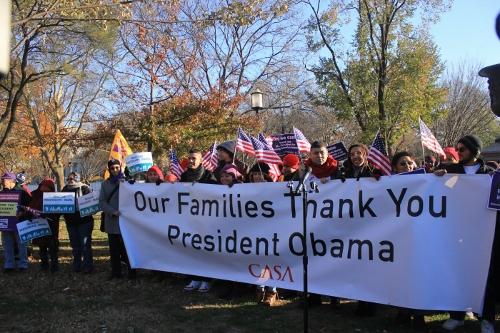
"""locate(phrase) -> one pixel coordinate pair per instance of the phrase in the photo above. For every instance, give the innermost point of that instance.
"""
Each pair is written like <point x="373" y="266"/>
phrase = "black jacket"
<point x="199" y="175"/>
<point x="459" y="168"/>
<point x="349" y="171"/>
<point x="75" y="218"/>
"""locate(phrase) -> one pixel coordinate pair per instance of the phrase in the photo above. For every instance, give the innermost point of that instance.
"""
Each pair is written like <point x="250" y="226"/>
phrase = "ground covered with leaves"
<point x="36" y="301"/>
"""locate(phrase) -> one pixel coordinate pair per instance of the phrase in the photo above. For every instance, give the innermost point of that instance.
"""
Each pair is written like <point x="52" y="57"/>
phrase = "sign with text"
<point x="139" y="162"/>
<point x="8" y="209"/>
<point x="494" y="202"/>
<point x="337" y="151"/>
<point x="59" y="202"/>
<point x="31" y="229"/>
<point x="394" y="241"/>
<point x="89" y="204"/>
<point x="284" y="144"/>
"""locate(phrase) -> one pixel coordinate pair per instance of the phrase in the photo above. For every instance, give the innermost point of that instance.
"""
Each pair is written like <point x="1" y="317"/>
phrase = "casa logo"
<point x="271" y="272"/>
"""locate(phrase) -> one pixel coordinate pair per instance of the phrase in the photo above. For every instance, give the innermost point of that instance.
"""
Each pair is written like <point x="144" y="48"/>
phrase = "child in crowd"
<point x="48" y="245"/>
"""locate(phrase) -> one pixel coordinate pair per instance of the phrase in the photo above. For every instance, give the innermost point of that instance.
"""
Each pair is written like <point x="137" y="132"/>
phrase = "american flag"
<point x="210" y="158"/>
<point x="302" y="143"/>
<point x="274" y="170"/>
<point x="175" y="166"/>
<point x="264" y="153"/>
<point x="244" y="143"/>
<point x="429" y="140"/>
<point x="378" y="156"/>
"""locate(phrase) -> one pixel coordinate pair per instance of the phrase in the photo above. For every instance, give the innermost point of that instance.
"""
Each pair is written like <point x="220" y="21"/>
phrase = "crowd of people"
<point x="461" y="159"/>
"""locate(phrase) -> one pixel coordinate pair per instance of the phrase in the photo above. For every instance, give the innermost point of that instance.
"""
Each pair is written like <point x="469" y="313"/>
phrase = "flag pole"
<point x="421" y="142"/>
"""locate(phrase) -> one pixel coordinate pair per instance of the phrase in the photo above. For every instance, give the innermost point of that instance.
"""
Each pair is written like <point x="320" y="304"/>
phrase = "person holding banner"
<point x="79" y="228"/>
<point x="402" y="162"/>
<point x="356" y="165"/>
<point x="195" y="172"/>
<point x="469" y="148"/>
<point x="48" y="245"/>
<point x="322" y="164"/>
<point x="108" y="201"/>
<point x="291" y="168"/>
<point x="14" y="196"/>
<point x="154" y="175"/>
<point x="226" y="152"/>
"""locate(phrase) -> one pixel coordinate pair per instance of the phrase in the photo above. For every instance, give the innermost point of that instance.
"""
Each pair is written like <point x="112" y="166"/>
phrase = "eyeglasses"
<point x="114" y="168"/>
<point x="403" y="163"/>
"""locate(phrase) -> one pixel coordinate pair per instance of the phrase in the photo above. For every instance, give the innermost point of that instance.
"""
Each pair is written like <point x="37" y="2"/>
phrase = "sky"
<point x="467" y="33"/>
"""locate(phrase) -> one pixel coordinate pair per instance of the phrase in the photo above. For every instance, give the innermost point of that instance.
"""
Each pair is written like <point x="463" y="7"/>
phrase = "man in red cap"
<point x="291" y="167"/>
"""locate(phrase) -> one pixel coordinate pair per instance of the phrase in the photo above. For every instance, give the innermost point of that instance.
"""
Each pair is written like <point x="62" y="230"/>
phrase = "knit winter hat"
<point x="291" y="161"/>
<point x="158" y="171"/>
<point x="48" y="182"/>
<point x="473" y="143"/>
<point x="232" y="170"/>
<point x="228" y="147"/>
<point x="452" y="151"/>
<point x="114" y="161"/>
<point x="171" y="178"/>
<point x="9" y="175"/>
<point x="21" y="177"/>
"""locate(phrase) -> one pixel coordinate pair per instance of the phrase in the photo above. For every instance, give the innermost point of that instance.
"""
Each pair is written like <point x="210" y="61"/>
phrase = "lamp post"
<point x="256" y="99"/>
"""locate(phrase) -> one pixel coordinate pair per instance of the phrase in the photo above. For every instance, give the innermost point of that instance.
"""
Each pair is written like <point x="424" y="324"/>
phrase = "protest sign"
<point x="89" y="204"/>
<point x="59" y="202"/>
<point x="494" y="201"/>
<point x="8" y="209"/>
<point x="394" y="241"/>
<point x="337" y="151"/>
<point x="139" y="162"/>
<point x="35" y="228"/>
<point x="284" y="144"/>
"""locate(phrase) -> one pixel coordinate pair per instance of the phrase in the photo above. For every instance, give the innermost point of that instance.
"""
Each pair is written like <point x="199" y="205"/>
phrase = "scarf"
<point x="325" y="170"/>
<point x="116" y="179"/>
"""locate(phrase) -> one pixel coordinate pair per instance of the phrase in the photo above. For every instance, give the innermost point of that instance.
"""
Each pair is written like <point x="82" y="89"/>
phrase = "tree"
<point x="389" y="77"/>
<point x="467" y="108"/>
<point x="50" y="37"/>
<point x="57" y="108"/>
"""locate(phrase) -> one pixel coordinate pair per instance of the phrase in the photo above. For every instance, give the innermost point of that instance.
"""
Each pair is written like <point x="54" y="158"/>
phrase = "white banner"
<point x="31" y="229"/>
<point x="89" y="204"/>
<point x="416" y="241"/>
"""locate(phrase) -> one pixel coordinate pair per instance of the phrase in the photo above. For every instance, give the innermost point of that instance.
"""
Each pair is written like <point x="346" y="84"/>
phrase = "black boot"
<point x="44" y="259"/>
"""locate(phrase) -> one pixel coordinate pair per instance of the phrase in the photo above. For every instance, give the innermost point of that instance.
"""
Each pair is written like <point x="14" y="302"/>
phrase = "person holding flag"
<point x="226" y="151"/>
<point x="196" y="172"/>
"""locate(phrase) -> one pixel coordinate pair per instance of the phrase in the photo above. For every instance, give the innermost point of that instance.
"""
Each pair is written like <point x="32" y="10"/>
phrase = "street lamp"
<point x="256" y="97"/>
<point x="257" y="104"/>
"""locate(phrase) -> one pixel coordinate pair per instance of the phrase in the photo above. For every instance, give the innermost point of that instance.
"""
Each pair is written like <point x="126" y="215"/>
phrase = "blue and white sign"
<point x="494" y="201"/>
<point x="89" y="204"/>
<point x="59" y="202"/>
<point x="337" y="151"/>
<point x="139" y="162"/>
<point x="36" y="228"/>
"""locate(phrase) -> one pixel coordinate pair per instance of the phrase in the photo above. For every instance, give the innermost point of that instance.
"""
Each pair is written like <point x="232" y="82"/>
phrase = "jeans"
<point x="80" y="238"/>
<point x="9" y="239"/>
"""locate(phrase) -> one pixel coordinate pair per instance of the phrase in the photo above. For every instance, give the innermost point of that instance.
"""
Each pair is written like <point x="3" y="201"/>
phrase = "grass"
<point x="37" y="301"/>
